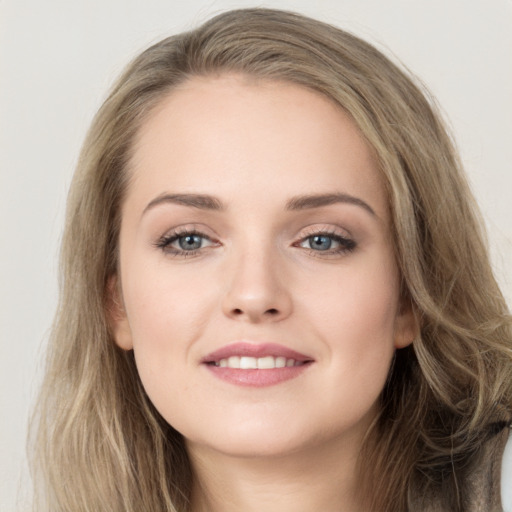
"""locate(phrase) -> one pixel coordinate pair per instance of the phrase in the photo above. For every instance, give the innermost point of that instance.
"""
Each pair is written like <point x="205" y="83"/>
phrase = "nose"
<point x="256" y="291"/>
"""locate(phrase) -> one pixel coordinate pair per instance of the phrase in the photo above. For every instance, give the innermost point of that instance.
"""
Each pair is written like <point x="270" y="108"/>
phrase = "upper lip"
<point x="250" y="349"/>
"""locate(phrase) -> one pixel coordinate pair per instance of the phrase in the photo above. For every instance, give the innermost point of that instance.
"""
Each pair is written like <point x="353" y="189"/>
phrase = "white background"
<point x="57" y="60"/>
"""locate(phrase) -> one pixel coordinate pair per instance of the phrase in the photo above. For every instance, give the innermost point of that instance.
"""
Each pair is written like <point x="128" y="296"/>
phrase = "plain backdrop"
<point x="57" y="61"/>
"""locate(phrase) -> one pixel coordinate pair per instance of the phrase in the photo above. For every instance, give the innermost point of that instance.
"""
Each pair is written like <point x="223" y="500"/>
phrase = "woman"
<point x="276" y="290"/>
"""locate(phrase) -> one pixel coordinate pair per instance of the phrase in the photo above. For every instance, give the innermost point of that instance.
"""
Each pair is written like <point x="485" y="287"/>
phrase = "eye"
<point x="184" y="243"/>
<point x="319" y="242"/>
<point x="328" y="243"/>
<point x="190" y="242"/>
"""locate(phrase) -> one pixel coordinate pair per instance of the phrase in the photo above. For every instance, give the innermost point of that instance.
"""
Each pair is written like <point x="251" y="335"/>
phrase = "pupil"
<point x="189" y="242"/>
<point x="323" y="243"/>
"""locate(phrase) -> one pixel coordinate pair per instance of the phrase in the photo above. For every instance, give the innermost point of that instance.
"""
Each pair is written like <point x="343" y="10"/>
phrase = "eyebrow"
<point x="200" y="201"/>
<point x="303" y="202"/>
<point x="318" y="200"/>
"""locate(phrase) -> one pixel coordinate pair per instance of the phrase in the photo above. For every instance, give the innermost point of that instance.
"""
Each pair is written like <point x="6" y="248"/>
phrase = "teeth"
<point x="233" y="362"/>
<point x="253" y="363"/>
<point x="265" y="363"/>
<point x="248" y="363"/>
<point x="281" y="362"/>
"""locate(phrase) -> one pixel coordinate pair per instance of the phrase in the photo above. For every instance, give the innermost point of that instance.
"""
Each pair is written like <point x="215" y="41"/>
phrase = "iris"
<point x="320" y="242"/>
<point x="190" y="242"/>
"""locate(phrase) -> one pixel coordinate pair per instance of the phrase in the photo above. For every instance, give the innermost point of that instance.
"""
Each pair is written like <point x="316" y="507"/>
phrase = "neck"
<point x="321" y="478"/>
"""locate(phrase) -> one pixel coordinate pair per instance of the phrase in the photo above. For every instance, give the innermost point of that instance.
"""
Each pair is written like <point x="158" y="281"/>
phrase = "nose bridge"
<point x="256" y="290"/>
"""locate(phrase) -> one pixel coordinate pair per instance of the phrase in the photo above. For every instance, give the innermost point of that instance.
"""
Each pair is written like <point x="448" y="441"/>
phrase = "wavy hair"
<point x="99" y="442"/>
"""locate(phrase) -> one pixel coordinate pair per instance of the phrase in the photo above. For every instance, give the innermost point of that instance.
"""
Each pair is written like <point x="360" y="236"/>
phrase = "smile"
<point x="256" y="365"/>
<point x="260" y="363"/>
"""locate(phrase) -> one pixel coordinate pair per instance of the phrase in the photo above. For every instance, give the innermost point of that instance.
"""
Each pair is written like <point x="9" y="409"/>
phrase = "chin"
<point x="268" y="439"/>
<point x="251" y="447"/>
<point x="256" y="436"/>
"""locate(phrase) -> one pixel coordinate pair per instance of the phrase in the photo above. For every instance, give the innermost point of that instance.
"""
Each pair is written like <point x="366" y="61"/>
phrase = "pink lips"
<point x="256" y="377"/>
<point x="254" y="350"/>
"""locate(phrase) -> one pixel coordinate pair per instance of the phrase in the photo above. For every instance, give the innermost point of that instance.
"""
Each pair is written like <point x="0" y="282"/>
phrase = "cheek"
<point x="355" y="319"/>
<point x="358" y="303"/>
<point x="165" y="303"/>
<point x="167" y="315"/>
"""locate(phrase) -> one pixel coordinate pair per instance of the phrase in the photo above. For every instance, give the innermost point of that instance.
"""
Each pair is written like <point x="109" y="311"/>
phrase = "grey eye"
<point x="329" y="243"/>
<point x="320" y="242"/>
<point x="190" y="242"/>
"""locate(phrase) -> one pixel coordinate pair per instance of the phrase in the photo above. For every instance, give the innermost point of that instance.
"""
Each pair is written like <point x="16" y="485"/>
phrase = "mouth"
<point x="257" y="365"/>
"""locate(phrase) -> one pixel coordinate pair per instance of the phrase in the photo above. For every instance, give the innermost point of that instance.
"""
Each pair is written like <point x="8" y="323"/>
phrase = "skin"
<point x="255" y="145"/>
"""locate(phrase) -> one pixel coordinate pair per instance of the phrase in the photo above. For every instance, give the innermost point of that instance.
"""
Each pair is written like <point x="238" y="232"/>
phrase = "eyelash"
<point x="164" y="243"/>
<point x="346" y="245"/>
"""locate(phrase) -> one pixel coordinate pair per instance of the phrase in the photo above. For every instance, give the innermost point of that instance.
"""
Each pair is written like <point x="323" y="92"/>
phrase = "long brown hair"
<point x="100" y="444"/>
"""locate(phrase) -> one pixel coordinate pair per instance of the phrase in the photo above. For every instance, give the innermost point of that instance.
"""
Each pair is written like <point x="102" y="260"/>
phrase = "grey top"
<point x="480" y="488"/>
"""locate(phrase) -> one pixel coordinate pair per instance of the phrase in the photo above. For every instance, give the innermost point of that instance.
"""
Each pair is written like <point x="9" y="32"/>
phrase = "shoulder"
<point x="477" y="486"/>
<point x="506" y="476"/>
<point x="482" y="482"/>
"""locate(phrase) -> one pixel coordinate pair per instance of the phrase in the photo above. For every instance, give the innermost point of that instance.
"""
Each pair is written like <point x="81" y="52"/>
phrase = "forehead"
<point x="227" y="134"/>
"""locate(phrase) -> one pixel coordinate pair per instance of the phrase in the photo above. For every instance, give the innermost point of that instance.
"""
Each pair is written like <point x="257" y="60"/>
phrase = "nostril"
<point x="271" y="312"/>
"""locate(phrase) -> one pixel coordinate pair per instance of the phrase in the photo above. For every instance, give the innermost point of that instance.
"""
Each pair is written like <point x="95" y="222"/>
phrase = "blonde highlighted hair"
<point x="99" y="442"/>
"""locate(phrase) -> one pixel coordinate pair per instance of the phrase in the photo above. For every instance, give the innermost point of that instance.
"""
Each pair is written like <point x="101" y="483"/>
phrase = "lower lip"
<point x="257" y="378"/>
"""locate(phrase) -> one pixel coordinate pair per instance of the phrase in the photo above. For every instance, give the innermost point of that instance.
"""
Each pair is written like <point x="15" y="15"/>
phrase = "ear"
<point x="406" y="324"/>
<point x="116" y="315"/>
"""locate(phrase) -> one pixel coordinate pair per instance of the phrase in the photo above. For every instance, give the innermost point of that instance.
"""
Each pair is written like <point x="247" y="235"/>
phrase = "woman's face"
<point x="256" y="233"/>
